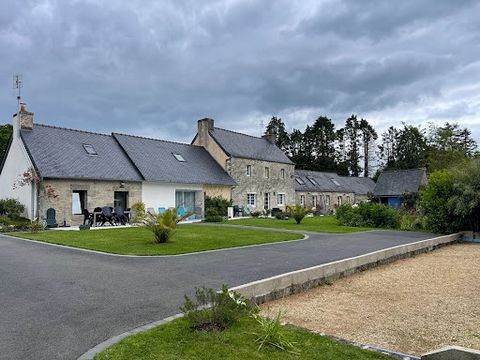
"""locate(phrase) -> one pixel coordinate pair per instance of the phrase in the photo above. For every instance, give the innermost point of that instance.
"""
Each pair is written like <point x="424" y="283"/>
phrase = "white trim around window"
<point x="252" y="199"/>
<point x="248" y="172"/>
<point x="280" y="199"/>
<point x="302" y="199"/>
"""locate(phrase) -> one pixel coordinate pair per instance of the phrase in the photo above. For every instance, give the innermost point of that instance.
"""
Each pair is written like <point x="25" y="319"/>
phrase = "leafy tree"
<point x="5" y="133"/>
<point x="412" y="148"/>
<point x="387" y="150"/>
<point x="435" y="205"/>
<point x="277" y="127"/>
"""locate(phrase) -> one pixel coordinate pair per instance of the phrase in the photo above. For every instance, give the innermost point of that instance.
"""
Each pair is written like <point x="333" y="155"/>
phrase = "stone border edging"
<point x="278" y="286"/>
<point x="90" y="354"/>
<point x="291" y="281"/>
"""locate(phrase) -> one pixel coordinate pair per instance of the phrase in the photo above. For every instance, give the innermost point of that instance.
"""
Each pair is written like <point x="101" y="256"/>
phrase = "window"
<point x="79" y="201"/>
<point x="252" y="199"/>
<point x="300" y="181"/>
<point x="314" y="201"/>
<point x="327" y="199"/>
<point x="302" y="199"/>
<point x="280" y="199"/>
<point x="249" y="170"/>
<point x="120" y="199"/>
<point x="312" y="180"/>
<point x="348" y="199"/>
<point x="179" y="157"/>
<point x="335" y="182"/>
<point x="339" y="200"/>
<point x="282" y="173"/>
<point x="90" y="149"/>
<point x="267" y="172"/>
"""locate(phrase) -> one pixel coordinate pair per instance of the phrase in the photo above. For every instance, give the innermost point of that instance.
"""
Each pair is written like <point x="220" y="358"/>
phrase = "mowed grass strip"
<point x="325" y="224"/>
<point x="176" y="341"/>
<point x="139" y="241"/>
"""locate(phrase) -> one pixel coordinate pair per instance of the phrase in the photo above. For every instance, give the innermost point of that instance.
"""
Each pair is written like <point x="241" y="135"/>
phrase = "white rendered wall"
<point x="156" y="194"/>
<point x="17" y="163"/>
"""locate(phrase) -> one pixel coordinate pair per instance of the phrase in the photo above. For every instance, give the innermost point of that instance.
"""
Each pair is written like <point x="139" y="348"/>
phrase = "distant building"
<point x="393" y="185"/>
<point x="325" y="191"/>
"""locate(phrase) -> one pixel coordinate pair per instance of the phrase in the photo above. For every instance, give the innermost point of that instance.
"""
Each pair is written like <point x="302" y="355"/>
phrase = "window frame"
<point x="82" y="201"/>
<point x="248" y="171"/>
<point x="299" y="180"/>
<point x="179" y="157"/>
<point x="281" y="196"/>
<point x="302" y="200"/>
<point x="314" y="201"/>
<point x="266" y="172"/>
<point x="90" y="149"/>
<point x="339" y="200"/>
<point x="282" y="174"/>
<point x="327" y="200"/>
<point x="252" y="196"/>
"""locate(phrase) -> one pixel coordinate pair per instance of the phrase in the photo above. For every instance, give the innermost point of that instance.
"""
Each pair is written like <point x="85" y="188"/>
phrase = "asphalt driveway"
<point x="56" y="303"/>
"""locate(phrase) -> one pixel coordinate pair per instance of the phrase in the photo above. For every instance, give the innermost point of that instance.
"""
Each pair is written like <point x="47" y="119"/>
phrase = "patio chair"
<point x="181" y="211"/>
<point x="87" y="216"/>
<point x="107" y="215"/>
<point x="237" y="210"/>
<point x="161" y="210"/>
<point x="151" y="211"/>
<point x="97" y="217"/>
<point x="51" y="218"/>
<point x="120" y="216"/>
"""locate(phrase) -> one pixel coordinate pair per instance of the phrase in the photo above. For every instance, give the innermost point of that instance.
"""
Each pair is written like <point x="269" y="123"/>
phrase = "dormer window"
<point x="179" y="157"/>
<point x="90" y="149"/>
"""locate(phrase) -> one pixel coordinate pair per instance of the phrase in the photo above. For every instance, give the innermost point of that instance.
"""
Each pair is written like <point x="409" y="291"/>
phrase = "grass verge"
<point x="326" y="224"/>
<point x="175" y="340"/>
<point x="139" y="241"/>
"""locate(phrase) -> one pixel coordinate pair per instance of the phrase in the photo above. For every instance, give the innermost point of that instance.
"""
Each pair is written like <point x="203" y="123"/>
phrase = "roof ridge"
<point x="398" y="170"/>
<point x="155" y="139"/>
<point x="239" y="133"/>
<point x="70" y="129"/>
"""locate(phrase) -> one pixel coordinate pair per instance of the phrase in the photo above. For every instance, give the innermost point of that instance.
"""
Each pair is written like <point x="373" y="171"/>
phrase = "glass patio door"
<point x="266" y="201"/>
<point x="185" y="199"/>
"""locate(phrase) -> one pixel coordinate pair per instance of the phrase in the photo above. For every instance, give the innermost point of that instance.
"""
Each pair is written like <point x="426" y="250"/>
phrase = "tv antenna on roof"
<point x="17" y="85"/>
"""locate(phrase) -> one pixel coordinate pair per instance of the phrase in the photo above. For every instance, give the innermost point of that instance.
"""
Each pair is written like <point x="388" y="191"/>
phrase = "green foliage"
<point x="211" y="310"/>
<point x="216" y="206"/>
<point x="164" y="225"/>
<point x="272" y="333"/>
<point x="140" y="212"/>
<point x="256" y="214"/>
<point x="282" y="216"/>
<point x="214" y="218"/>
<point x="13" y="223"/>
<point x="410" y="221"/>
<point x="368" y="214"/>
<point x="11" y="207"/>
<point x="434" y="203"/>
<point x="36" y="226"/>
<point x="5" y="134"/>
<point x="277" y="127"/>
<point x="298" y="212"/>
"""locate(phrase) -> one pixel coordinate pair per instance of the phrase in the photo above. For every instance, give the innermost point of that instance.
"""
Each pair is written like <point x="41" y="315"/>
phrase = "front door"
<point x="266" y="201"/>
<point x="120" y="198"/>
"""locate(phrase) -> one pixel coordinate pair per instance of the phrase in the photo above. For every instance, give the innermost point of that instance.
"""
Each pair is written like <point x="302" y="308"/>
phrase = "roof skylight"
<point x="179" y="157"/>
<point x="335" y="182"/>
<point x="300" y="180"/>
<point x="312" y="180"/>
<point x="90" y="149"/>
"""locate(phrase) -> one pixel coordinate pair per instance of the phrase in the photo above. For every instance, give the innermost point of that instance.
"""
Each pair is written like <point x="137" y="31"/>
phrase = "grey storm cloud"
<point x="154" y="67"/>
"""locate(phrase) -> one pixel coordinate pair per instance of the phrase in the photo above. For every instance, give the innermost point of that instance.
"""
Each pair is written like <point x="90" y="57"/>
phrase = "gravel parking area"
<point x="413" y="305"/>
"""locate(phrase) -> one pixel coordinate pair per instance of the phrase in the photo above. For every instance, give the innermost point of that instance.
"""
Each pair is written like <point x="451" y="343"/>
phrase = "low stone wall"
<point x="452" y="352"/>
<point x="297" y="281"/>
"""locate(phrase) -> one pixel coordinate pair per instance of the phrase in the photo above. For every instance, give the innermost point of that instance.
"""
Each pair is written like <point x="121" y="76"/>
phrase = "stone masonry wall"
<point x="346" y="197"/>
<point x="259" y="184"/>
<point x="99" y="193"/>
<point x="218" y="190"/>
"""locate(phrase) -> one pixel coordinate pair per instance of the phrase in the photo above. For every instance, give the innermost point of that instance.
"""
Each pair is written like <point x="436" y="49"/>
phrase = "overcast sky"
<point x="154" y="67"/>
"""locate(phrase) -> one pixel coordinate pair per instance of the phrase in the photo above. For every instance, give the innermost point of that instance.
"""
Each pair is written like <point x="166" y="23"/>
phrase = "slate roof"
<point x="331" y="182"/>
<point x="248" y="147"/>
<point x="59" y="153"/>
<point x="156" y="162"/>
<point x="399" y="182"/>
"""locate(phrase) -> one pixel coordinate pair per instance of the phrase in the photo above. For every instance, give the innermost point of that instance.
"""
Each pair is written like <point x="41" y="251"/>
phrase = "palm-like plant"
<point x="164" y="225"/>
<point x="298" y="212"/>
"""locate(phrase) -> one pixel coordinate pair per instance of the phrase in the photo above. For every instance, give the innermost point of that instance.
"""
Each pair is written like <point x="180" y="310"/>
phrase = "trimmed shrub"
<point x="368" y="214"/>
<point x="11" y="207"/>
<point x="213" y="218"/>
<point x="256" y="214"/>
<point x="216" y="206"/>
<point x="298" y="212"/>
<point x="139" y="212"/>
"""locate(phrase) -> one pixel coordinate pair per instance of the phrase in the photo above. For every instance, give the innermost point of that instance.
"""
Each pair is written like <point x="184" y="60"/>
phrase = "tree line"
<point x="356" y="148"/>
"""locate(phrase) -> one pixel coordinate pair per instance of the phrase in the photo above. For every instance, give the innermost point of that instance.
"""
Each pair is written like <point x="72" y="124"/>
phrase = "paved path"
<point x="56" y="303"/>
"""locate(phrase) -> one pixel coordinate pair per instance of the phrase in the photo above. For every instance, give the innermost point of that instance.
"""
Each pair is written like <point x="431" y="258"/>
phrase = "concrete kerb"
<point x="278" y="286"/>
<point x="296" y="281"/>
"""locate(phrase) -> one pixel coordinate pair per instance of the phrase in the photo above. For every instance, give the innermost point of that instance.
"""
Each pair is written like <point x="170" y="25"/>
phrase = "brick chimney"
<point x="204" y="126"/>
<point x="272" y="138"/>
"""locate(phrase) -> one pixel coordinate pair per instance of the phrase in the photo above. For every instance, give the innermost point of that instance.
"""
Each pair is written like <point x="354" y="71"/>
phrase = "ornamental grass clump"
<point x="298" y="212"/>
<point x="164" y="225"/>
<point x="272" y="333"/>
<point x="211" y="310"/>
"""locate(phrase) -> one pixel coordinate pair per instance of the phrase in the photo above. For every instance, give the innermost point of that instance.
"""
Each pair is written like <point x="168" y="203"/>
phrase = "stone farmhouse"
<point x="263" y="173"/>
<point x="325" y="191"/>
<point x="88" y="170"/>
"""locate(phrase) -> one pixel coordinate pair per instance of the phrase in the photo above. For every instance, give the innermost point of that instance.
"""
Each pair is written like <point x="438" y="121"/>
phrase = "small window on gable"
<point x="300" y="181"/>
<point x="312" y="180"/>
<point x="90" y="149"/>
<point x="179" y="157"/>
<point x="267" y="172"/>
<point x="282" y="173"/>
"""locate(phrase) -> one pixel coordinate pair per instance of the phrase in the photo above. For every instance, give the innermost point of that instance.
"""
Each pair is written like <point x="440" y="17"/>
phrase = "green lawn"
<point x="139" y="241"/>
<point x="176" y="341"/>
<point x="327" y="224"/>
